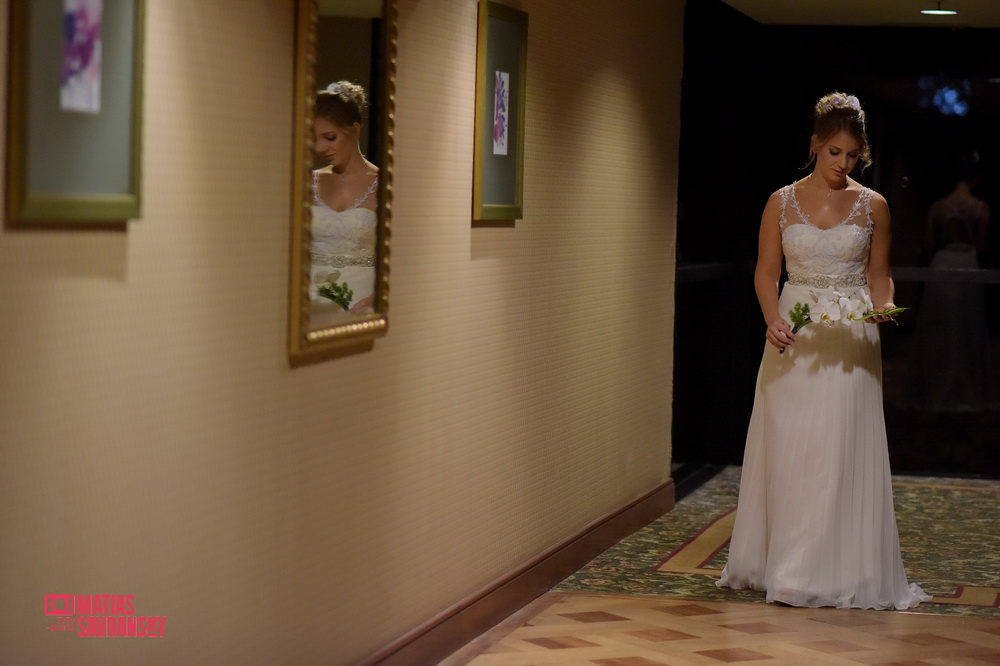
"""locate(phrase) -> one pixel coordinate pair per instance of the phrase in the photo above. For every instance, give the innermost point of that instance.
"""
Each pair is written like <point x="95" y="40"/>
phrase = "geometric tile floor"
<point x="635" y="630"/>
<point x="651" y="598"/>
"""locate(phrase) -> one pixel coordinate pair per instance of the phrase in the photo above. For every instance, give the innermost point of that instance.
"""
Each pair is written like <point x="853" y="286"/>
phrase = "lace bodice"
<point x="343" y="237"/>
<point x="839" y="250"/>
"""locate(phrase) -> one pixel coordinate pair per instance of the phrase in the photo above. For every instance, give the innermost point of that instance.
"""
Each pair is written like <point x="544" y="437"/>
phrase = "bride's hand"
<point x="779" y="333"/>
<point x="365" y="305"/>
<point x="878" y="319"/>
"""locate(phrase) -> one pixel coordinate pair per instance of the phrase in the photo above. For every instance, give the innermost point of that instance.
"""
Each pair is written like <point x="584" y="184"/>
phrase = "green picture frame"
<point x="65" y="166"/>
<point x="501" y="66"/>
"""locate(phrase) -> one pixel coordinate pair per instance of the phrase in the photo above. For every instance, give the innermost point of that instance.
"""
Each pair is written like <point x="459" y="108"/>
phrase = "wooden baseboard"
<point x="456" y="626"/>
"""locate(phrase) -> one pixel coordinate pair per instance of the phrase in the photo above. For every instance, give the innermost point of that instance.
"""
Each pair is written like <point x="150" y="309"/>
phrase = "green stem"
<point x="884" y="313"/>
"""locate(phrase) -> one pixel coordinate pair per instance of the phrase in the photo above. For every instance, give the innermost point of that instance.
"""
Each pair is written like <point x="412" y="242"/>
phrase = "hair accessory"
<point x="335" y="88"/>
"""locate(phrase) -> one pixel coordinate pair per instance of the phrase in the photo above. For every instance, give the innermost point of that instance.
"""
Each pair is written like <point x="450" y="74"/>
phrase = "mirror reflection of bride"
<point x="344" y="209"/>
<point x="950" y="370"/>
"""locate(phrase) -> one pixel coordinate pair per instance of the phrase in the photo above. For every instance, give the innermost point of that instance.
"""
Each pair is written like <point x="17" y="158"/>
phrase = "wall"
<point x="155" y="442"/>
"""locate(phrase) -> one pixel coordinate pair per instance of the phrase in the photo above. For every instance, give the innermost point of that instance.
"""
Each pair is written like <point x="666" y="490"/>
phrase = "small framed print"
<point x="75" y="111"/>
<point x="500" y="93"/>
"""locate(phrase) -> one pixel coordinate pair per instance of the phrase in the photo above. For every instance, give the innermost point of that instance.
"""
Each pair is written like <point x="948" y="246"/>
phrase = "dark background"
<point x="748" y="94"/>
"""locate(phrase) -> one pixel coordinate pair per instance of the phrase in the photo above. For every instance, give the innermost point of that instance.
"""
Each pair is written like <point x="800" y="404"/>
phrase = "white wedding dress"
<point x="815" y="523"/>
<point x="342" y="251"/>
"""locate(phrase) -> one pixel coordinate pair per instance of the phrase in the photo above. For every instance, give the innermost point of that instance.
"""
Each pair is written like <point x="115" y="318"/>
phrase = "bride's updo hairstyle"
<point x="839" y="112"/>
<point x="342" y="102"/>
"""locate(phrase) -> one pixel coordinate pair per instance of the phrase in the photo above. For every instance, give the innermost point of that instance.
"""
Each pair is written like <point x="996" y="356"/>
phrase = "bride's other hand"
<point x="365" y="305"/>
<point x="878" y="319"/>
<point x="779" y="334"/>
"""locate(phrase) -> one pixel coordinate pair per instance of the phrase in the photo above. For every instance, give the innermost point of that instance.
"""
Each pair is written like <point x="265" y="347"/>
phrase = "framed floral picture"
<point x="74" y="111"/>
<point x="500" y="92"/>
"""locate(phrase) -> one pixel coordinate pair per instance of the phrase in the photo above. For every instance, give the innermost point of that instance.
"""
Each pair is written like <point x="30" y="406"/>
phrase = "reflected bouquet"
<point x="338" y="292"/>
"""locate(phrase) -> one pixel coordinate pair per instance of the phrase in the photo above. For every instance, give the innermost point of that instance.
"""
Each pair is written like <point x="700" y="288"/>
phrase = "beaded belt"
<point x="827" y="281"/>
<point x="342" y="261"/>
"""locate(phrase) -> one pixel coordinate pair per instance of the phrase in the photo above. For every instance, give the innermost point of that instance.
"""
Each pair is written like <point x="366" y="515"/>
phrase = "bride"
<point x="344" y="210"/>
<point x="815" y="524"/>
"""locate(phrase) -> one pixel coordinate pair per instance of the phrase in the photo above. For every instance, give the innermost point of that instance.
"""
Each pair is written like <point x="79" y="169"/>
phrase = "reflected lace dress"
<point x="815" y="523"/>
<point x="342" y="250"/>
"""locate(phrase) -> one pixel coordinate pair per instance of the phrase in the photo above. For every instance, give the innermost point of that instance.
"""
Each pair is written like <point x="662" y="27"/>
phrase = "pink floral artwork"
<point x="80" y="86"/>
<point x="501" y="98"/>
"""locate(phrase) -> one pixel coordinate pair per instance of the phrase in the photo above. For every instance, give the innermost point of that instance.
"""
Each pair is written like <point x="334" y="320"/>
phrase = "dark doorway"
<point x="931" y="95"/>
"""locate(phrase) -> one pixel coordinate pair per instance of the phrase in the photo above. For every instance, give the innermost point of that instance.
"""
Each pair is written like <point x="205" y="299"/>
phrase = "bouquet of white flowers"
<point x="837" y="307"/>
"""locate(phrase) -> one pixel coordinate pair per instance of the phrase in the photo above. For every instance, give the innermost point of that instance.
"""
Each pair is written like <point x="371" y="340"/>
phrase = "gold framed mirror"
<point x="345" y="69"/>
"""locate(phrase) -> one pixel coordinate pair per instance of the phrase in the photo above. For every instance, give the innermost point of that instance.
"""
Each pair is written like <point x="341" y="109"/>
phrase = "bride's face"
<point x="837" y="156"/>
<point x="335" y="143"/>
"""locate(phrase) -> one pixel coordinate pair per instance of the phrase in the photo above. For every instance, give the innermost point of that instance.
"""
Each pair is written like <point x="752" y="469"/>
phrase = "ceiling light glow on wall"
<point x="939" y="11"/>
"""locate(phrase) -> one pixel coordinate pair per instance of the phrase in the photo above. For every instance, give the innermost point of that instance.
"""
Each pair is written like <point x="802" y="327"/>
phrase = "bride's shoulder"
<point x="878" y="206"/>
<point x="865" y="192"/>
<point x="777" y="198"/>
<point x="855" y="186"/>
<point x="774" y="209"/>
<point x="875" y="198"/>
<point x="781" y="192"/>
<point x="322" y="176"/>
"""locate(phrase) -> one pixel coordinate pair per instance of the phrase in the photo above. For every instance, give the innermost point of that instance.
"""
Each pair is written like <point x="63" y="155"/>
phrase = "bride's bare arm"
<point x="879" y="276"/>
<point x="768" y="272"/>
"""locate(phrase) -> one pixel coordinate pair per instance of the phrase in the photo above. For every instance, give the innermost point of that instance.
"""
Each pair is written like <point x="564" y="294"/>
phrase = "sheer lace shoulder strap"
<point x="368" y="193"/>
<point x="316" y="199"/>
<point x="866" y="200"/>
<point x="782" y="221"/>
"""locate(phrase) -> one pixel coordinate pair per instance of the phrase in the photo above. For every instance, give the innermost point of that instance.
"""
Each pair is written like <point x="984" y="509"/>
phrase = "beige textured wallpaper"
<point x="154" y="441"/>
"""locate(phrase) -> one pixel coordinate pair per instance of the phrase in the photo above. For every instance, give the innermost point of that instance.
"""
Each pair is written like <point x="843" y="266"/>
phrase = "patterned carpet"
<point x="949" y="530"/>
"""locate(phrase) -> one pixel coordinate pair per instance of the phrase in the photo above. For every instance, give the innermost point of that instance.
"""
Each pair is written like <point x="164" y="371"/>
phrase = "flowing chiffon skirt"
<point x="815" y="523"/>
